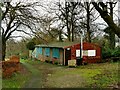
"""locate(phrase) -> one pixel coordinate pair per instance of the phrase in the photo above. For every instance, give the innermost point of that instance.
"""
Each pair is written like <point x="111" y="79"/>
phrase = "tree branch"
<point x="107" y="18"/>
<point x="8" y="35"/>
<point x="25" y="32"/>
<point x="7" y="9"/>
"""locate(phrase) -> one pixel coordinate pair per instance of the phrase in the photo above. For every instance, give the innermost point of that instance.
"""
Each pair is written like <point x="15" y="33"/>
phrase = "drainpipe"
<point x="81" y="46"/>
<point x="64" y="57"/>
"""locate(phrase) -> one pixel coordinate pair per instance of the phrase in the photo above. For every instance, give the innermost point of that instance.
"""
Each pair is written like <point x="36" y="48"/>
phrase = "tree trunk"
<point x="67" y="21"/>
<point x="3" y="49"/>
<point x="88" y="23"/>
<point x="111" y="39"/>
<point x="60" y="36"/>
<point x="72" y="34"/>
<point x="72" y="28"/>
<point x="72" y="20"/>
<point x="68" y="30"/>
<point x="111" y="34"/>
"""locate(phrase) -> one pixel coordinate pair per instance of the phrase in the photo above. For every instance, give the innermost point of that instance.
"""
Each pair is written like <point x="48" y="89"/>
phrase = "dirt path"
<point x="39" y="73"/>
<point x="43" y="75"/>
<point x="35" y="79"/>
<point x="36" y="74"/>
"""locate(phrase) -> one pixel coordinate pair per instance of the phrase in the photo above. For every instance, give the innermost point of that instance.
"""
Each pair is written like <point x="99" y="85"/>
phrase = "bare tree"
<point x="68" y="14"/>
<point x="102" y="9"/>
<point x="16" y="16"/>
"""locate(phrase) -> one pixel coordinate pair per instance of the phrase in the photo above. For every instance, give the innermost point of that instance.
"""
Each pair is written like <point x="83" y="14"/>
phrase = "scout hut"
<point x="61" y="53"/>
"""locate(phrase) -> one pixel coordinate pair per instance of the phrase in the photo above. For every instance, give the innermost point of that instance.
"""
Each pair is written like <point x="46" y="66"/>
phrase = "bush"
<point x="56" y="62"/>
<point x="10" y="66"/>
<point x="30" y="45"/>
<point x="24" y="57"/>
<point x="51" y="62"/>
<point x="116" y="52"/>
<point x="46" y="61"/>
<point x="108" y="53"/>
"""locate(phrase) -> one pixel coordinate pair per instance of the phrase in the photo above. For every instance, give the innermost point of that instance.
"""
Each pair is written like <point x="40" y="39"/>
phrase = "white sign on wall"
<point x="86" y="53"/>
<point x="77" y="53"/>
<point x="91" y="52"/>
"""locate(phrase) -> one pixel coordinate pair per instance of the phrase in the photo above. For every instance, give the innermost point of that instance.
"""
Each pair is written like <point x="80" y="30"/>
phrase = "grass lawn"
<point x="103" y="75"/>
<point x="45" y="75"/>
<point x="17" y="80"/>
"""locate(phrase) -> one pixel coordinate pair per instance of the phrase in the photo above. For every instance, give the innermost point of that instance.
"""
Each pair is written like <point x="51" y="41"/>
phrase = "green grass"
<point x="16" y="81"/>
<point x="101" y="75"/>
<point x="53" y="76"/>
<point x="32" y="62"/>
<point x="91" y="75"/>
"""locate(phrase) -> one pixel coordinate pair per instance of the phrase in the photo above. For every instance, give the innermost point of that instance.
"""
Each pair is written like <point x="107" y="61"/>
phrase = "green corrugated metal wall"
<point x="56" y="53"/>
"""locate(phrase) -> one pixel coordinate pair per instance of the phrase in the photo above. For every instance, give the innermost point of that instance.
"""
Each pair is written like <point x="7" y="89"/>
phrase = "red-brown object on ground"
<point x="10" y="66"/>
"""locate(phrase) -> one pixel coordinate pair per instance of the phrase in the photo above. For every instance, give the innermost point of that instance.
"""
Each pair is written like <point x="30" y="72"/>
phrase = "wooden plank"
<point x="72" y="62"/>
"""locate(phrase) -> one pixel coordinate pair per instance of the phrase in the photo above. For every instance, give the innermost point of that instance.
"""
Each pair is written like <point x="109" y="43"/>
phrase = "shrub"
<point x="116" y="52"/>
<point x="30" y="45"/>
<point x="46" y="61"/>
<point x="51" y="62"/>
<point x="108" y="53"/>
<point x="56" y="62"/>
<point x="10" y="66"/>
<point x="24" y="57"/>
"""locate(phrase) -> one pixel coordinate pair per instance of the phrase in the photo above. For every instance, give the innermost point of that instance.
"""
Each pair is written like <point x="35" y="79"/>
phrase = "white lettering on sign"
<point x="91" y="52"/>
<point x="85" y="52"/>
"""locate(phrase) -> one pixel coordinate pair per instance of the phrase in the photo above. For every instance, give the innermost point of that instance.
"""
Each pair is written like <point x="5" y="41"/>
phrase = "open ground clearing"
<point x="36" y="74"/>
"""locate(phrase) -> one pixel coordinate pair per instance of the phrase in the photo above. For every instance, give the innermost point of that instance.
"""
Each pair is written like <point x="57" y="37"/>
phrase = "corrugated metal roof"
<point x="58" y="44"/>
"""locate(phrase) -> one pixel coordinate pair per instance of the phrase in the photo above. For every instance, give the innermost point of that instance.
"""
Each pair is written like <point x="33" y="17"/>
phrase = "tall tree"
<point x="111" y="37"/>
<point x="111" y="34"/>
<point x="69" y="17"/>
<point x="90" y="18"/>
<point x="102" y="9"/>
<point x="14" y="17"/>
<point x="66" y="15"/>
<point x="88" y="22"/>
<point x="88" y="11"/>
<point x="73" y="6"/>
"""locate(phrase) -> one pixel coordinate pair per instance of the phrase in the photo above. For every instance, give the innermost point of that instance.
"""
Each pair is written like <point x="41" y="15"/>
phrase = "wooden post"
<point x="64" y="56"/>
